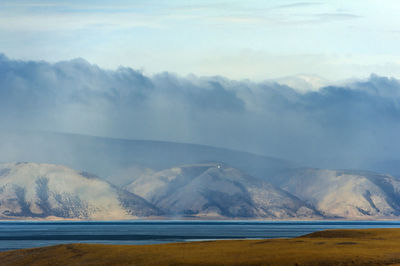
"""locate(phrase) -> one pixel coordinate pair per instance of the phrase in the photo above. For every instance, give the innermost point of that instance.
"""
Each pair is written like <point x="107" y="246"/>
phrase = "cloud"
<point x="299" y="4"/>
<point x="336" y="16"/>
<point x="335" y="126"/>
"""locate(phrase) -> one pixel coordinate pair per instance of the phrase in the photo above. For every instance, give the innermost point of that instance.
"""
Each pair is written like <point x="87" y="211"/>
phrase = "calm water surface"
<point x="23" y="234"/>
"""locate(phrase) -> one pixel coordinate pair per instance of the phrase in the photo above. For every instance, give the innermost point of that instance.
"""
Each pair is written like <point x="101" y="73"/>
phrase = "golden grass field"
<point x="331" y="247"/>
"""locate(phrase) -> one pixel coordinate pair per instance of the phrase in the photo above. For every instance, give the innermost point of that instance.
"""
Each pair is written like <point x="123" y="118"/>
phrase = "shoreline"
<point x="214" y="219"/>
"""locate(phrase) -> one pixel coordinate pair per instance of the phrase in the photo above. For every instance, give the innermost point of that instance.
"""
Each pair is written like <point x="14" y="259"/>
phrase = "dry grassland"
<point x="331" y="247"/>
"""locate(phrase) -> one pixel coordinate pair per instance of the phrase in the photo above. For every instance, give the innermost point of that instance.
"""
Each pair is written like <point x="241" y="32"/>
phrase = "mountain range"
<point x="196" y="191"/>
<point x="69" y="176"/>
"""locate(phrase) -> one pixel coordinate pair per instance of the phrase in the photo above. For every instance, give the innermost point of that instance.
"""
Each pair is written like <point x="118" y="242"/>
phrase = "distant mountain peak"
<point x="304" y="82"/>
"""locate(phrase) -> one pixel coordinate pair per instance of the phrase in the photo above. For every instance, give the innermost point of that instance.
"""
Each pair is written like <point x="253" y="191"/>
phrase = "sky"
<point x="316" y="82"/>
<point x="257" y="40"/>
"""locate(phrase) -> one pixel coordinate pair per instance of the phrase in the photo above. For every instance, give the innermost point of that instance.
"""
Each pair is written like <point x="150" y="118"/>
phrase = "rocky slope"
<point x="30" y="190"/>
<point x="217" y="190"/>
<point x="346" y="194"/>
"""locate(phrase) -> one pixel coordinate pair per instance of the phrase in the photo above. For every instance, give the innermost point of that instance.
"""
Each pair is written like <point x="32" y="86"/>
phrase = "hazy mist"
<point x="336" y="126"/>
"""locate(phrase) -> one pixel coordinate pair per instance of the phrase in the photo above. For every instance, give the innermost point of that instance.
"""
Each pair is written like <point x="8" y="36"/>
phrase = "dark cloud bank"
<point x="338" y="127"/>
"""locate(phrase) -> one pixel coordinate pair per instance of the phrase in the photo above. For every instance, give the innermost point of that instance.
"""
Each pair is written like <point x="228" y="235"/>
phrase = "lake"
<point x="28" y="234"/>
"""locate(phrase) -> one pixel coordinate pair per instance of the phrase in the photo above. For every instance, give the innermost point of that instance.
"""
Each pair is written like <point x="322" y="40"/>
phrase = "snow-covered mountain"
<point x="43" y="191"/>
<point x="346" y="194"/>
<point x="304" y="82"/>
<point x="217" y="190"/>
<point x="204" y="190"/>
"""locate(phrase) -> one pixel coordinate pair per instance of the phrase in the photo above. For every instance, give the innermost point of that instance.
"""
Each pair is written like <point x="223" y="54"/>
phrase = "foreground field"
<point x="331" y="247"/>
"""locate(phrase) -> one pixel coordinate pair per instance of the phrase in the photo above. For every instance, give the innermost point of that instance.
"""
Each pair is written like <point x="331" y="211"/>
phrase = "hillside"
<point x="347" y="194"/>
<point x="217" y="190"/>
<point x="45" y="191"/>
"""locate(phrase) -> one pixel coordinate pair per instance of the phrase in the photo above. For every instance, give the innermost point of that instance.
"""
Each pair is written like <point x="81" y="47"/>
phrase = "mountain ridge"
<point x="31" y="190"/>
<point x="197" y="191"/>
<point x="216" y="189"/>
<point x="354" y="194"/>
<point x="107" y="157"/>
